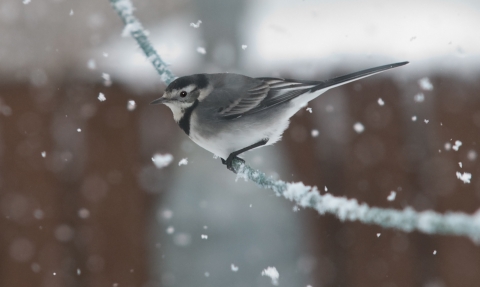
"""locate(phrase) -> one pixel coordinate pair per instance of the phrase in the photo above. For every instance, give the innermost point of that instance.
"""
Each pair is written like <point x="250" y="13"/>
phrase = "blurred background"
<point x="82" y="204"/>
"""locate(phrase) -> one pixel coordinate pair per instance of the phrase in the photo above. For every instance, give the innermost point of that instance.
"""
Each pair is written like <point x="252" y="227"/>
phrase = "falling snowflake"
<point x="358" y="127"/>
<point x="196" y="25"/>
<point x="457" y="145"/>
<point x="272" y="273"/>
<point x="162" y="160"/>
<point x="101" y="97"/>
<point x="391" y="196"/>
<point x="419" y="98"/>
<point x="184" y="161"/>
<point x="465" y="177"/>
<point x="425" y="84"/>
<point x="131" y="105"/>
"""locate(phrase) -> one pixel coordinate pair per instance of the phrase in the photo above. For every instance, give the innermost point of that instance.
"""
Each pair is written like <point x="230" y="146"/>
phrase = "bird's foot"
<point x="229" y="161"/>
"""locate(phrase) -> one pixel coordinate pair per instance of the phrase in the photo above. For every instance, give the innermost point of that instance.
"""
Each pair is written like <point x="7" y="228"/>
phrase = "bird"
<point x="229" y="114"/>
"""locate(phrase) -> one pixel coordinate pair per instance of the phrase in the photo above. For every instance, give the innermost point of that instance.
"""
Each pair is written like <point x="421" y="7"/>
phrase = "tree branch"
<point x="430" y="222"/>
<point x="133" y="27"/>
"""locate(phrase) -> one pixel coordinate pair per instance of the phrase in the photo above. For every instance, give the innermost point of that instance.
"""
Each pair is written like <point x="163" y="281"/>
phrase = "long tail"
<point x="342" y="80"/>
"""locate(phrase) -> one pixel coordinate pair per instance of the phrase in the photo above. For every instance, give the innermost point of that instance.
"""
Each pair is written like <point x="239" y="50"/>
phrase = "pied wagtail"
<point x="229" y="114"/>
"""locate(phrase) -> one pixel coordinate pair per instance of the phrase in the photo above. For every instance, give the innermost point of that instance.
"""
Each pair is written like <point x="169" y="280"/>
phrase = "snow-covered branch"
<point x="133" y="27"/>
<point x="453" y="223"/>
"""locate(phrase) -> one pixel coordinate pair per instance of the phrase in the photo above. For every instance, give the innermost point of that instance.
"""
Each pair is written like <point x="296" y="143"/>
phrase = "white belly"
<point x="238" y="135"/>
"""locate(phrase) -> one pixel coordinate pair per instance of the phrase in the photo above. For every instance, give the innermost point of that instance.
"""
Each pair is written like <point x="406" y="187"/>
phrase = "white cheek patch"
<point x="205" y="92"/>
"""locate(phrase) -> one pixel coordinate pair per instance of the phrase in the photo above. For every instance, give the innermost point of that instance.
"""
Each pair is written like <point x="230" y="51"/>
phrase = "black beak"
<point x="159" y="101"/>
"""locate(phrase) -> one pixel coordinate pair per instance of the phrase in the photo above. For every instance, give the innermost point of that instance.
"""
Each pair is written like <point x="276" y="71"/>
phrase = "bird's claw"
<point x="229" y="162"/>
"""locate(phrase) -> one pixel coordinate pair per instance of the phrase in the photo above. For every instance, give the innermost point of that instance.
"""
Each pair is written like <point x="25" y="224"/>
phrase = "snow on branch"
<point x="430" y="222"/>
<point x="452" y="223"/>
<point x="133" y="27"/>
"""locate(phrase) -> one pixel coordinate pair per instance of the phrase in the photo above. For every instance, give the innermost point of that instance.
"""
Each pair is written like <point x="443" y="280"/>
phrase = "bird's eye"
<point x="183" y="94"/>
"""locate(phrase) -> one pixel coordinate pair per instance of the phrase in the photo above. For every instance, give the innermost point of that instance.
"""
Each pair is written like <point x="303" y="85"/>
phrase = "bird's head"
<point x="184" y="91"/>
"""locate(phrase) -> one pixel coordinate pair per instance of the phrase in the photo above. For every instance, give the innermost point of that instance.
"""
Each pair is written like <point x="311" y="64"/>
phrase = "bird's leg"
<point x="234" y="154"/>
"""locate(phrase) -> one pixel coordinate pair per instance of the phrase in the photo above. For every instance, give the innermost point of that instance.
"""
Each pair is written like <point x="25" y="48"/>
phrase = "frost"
<point x="234" y="268"/>
<point x="201" y="50"/>
<point x="419" y="98"/>
<point x="358" y="127"/>
<point x="414" y="118"/>
<point x="380" y="102"/>
<point x="309" y="110"/>
<point x="79" y="272"/>
<point x="131" y="105"/>
<point x="457" y="145"/>
<point x="465" y="177"/>
<point x="272" y="273"/>
<point x="130" y="28"/>
<point x="184" y="161"/>
<point x="162" y="160"/>
<point x="244" y="47"/>
<point x="391" y="196"/>
<point x="170" y="230"/>
<point x="315" y="133"/>
<point x="91" y="64"/>
<point x="105" y="54"/>
<point x="71" y="12"/>
<point x="204" y="236"/>
<point x="44" y="154"/>
<point x="196" y="25"/>
<point x="207" y="274"/>
<point x="125" y="6"/>
<point x="107" y="81"/>
<point x="378" y="234"/>
<point x="79" y="130"/>
<point x="434" y="252"/>
<point x="326" y="189"/>
<point x="426" y="121"/>
<point x="460" y="164"/>
<point x="26" y="1"/>
<point x="425" y="84"/>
